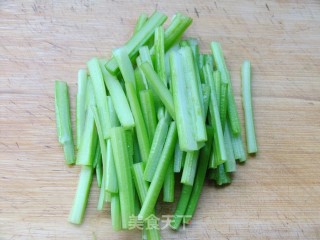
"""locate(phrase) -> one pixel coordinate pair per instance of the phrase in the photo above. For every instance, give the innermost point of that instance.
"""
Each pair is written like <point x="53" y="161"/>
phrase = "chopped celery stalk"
<point x="123" y="161"/>
<point x="63" y="120"/>
<point x="230" y="164"/>
<point x="190" y="167"/>
<point x="119" y="98"/>
<point x="158" y="87"/>
<point x="215" y="116"/>
<point x="143" y="18"/>
<point x="115" y="212"/>
<point x="174" y="48"/>
<point x="149" y="112"/>
<point x="223" y="103"/>
<point x="111" y="176"/>
<point x="99" y="170"/>
<point x="194" y="89"/>
<point x="214" y="154"/>
<point x="206" y="91"/>
<point x="181" y="207"/>
<point x="102" y="142"/>
<point x="107" y="196"/>
<point x="200" y="177"/>
<point x="160" y="113"/>
<point x="193" y="44"/>
<point x="102" y="195"/>
<point x="208" y="59"/>
<point x="137" y="206"/>
<point x="141" y="128"/>
<point x="156" y="149"/>
<point x="153" y="233"/>
<point x="141" y="185"/>
<point x="179" y="156"/>
<point x="97" y="156"/>
<point x="247" y="107"/>
<point x="145" y="55"/>
<point x="160" y="54"/>
<point x="201" y="63"/>
<point x="82" y="194"/>
<point x="138" y="39"/>
<point x="89" y="141"/>
<point x="238" y="148"/>
<point x="182" y="103"/>
<point x="225" y="78"/>
<point x="220" y="176"/>
<point x="175" y="30"/>
<point x="160" y="174"/>
<point x="136" y="150"/>
<point x="217" y="85"/>
<point x="100" y="94"/>
<point x="142" y="188"/>
<point x="129" y="139"/>
<point x="125" y="65"/>
<point x="168" y="185"/>
<point x="141" y="83"/>
<point x="81" y="103"/>
<point x="183" y="43"/>
<point x="114" y="121"/>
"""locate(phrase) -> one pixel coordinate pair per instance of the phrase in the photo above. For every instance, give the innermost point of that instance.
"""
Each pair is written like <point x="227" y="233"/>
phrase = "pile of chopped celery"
<point x="156" y="111"/>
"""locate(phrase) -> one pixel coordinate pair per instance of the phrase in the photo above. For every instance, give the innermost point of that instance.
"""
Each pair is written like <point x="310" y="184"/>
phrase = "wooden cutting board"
<point x="275" y="195"/>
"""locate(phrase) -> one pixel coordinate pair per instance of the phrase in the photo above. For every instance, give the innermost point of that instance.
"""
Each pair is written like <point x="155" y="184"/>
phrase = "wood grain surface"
<point x="273" y="196"/>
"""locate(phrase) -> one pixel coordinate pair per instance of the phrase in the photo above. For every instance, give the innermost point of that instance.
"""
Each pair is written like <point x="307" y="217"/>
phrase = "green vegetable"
<point x="100" y="94"/>
<point x="125" y="65"/>
<point x="138" y="40"/>
<point x="193" y="83"/>
<point x="190" y="167"/>
<point x="159" y="88"/>
<point x="200" y="177"/>
<point x="160" y="54"/>
<point x="141" y="82"/>
<point x="181" y="206"/>
<point x="217" y="86"/>
<point x="114" y="120"/>
<point x="141" y="129"/>
<point x="123" y="162"/>
<point x="143" y="18"/>
<point x="215" y="115"/>
<point x="63" y="120"/>
<point x="149" y="112"/>
<point x="81" y="103"/>
<point x="118" y="98"/>
<point x="111" y="183"/>
<point x="99" y="171"/>
<point x="182" y="104"/>
<point x="144" y="56"/>
<point x="175" y="30"/>
<point x="103" y="195"/>
<point x="168" y="185"/>
<point x="89" y="141"/>
<point x="247" y="107"/>
<point x="142" y="189"/>
<point x="159" y="176"/>
<point x="116" y="212"/>
<point x="225" y="77"/>
<point x="220" y="176"/>
<point x="230" y="164"/>
<point x="80" y="201"/>
<point x="179" y="157"/>
<point x="238" y="148"/>
<point x="156" y="149"/>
